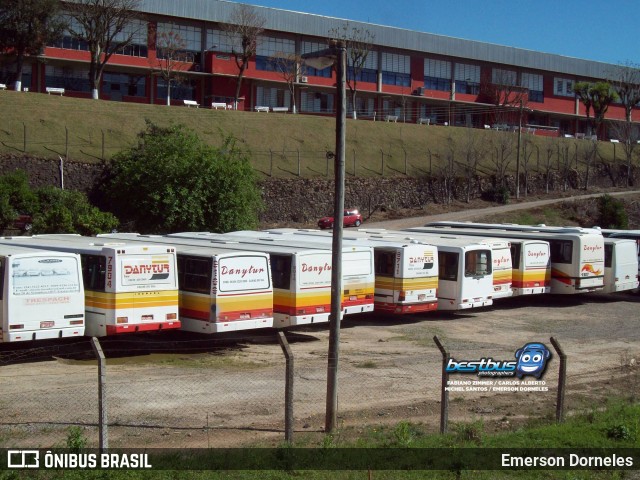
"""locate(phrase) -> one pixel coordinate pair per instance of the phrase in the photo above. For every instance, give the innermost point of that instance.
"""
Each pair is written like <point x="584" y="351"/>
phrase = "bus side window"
<point x="561" y="251"/>
<point x="384" y="263"/>
<point x="94" y="270"/>
<point x="281" y="271"/>
<point x="196" y="275"/>
<point x="448" y="266"/>
<point x="516" y="250"/>
<point x="608" y="255"/>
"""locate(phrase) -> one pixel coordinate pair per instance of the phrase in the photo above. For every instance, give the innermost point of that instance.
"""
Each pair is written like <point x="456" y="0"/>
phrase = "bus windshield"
<point x="43" y="276"/>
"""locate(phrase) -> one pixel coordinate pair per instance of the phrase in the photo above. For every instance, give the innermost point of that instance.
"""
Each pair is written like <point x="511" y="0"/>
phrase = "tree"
<point x="289" y="65"/>
<point x="612" y="213"/>
<point x="503" y="92"/>
<point x="597" y="96"/>
<point x="358" y="42"/>
<point x="26" y="26"/>
<point x="102" y="24"/>
<point x="69" y="211"/>
<point x="626" y="82"/>
<point x="16" y="197"/>
<point x="244" y="26"/>
<point x="172" y="181"/>
<point x="171" y="59"/>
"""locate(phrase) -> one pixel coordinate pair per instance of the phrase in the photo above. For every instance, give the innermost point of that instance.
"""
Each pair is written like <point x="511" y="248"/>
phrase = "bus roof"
<point x="540" y="235"/>
<point x="7" y="249"/>
<point x="438" y="241"/>
<point x="79" y="244"/>
<point x="185" y="244"/>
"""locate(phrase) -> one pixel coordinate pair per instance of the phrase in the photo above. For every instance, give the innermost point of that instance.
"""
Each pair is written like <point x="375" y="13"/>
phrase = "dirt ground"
<point x="183" y="391"/>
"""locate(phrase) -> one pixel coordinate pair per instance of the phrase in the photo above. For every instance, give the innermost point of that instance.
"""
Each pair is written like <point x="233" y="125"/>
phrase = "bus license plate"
<point x="147" y="317"/>
<point x="353" y="298"/>
<point x="47" y="324"/>
<point x="421" y="297"/>
<point x="245" y="316"/>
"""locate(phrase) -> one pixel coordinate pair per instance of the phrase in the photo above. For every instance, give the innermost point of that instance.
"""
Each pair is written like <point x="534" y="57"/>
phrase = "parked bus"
<point x="501" y="258"/>
<point x="465" y="278"/>
<point x="128" y="287"/>
<point x="406" y="273"/>
<point x="577" y="255"/>
<point x="357" y="264"/>
<point x="628" y="234"/>
<point x="220" y="290"/>
<point x="530" y="260"/>
<point x="620" y="265"/>
<point x="42" y="295"/>
<point x="301" y="277"/>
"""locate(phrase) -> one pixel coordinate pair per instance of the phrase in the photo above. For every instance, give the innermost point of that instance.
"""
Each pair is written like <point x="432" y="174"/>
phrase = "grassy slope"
<point x="45" y="117"/>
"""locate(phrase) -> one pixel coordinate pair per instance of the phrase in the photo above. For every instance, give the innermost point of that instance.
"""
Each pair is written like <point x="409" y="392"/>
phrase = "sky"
<point x="601" y="30"/>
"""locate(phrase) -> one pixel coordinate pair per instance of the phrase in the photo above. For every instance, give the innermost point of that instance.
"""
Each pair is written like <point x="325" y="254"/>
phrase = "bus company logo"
<point x="319" y="269"/>
<point x="158" y="271"/>
<point x="592" y="248"/>
<point x="588" y="268"/>
<point x="533" y="254"/>
<point x="421" y="260"/>
<point x="242" y="272"/>
<point x="50" y="260"/>
<point x="531" y="360"/>
<point x="499" y="261"/>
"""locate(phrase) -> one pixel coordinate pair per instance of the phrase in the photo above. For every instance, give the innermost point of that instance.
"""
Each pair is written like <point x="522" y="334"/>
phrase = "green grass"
<point x="615" y="427"/>
<point x="275" y="141"/>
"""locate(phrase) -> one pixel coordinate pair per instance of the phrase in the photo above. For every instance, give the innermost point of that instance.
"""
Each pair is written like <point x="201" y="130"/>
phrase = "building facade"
<point x="408" y="76"/>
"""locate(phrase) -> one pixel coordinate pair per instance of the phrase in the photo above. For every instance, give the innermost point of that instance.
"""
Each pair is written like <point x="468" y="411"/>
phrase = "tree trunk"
<point x="17" y="86"/>
<point x="354" y="114"/>
<point x="239" y="85"/>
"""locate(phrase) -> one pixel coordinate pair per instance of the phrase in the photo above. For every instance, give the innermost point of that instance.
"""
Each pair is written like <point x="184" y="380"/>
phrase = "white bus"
<point x="358" y="278"/>
<point x="406" y="273"/>
<point x="500" y="254"/>
<point x="128" y="287"/>
<point x="620" y="265"/>
<point x="530" y="260"/>
<point x="465" y="277"/>
<point x="577" y="255"/>
<point x="42" y="295"/>
<point x="301" y="277"/>
<point x="220" y="290"/>
<point x="628" y="234"/>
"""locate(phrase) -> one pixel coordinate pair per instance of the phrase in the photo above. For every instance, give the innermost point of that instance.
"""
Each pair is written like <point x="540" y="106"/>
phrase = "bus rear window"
<point x="561" y="251"/>
<point x="477" y="263"/>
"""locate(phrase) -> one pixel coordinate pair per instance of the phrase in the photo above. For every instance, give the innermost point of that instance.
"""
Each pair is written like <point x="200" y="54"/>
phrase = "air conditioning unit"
<point x="420" y="91"/>
<point x="304" y="79"/>
<point x="197" y="67"/>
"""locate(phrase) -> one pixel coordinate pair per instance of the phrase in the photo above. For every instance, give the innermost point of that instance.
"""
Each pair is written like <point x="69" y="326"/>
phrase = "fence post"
<point x="270" y="163"/>
<point x="354" y="162"/>
<point x="444" y="394"/>
<point x="288" y="388"/>
<point x="382" y="163"/>
<point x="24" y="137"/>
<point x="102" y="145"/>
<point x="298" y="150"/>
<point x="562" y="380"/>
<point x="66" y="142"/>
<point x="102" y="395"/>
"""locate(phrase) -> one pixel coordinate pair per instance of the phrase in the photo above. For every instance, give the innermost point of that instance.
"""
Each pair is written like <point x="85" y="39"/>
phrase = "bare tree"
<point x="626" y="82"/>
<point x="527" y="153"/>
<point x="289" y="66"/>
<point x="503" y="144"/>
<point x="171" y="59"/>
<point x="244" y="26"/>
<point x="472" y="154"/>
<point x="503" y="91"/>
<point x="103" y="25"/>
<point x="26" y="26"/>
<point x="550" y="148"/>
<point x="358" y="42"/>
<point x="564" y="163"/>
<point x="588" y="154"/>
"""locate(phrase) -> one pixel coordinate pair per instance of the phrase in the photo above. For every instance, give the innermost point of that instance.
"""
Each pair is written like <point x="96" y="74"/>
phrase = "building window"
<point x="500" y="76"/>
<point x="467" y="78"/>
<point x="221" y="41"/>
<point x="309" y="47"/>
<point x="68" y="78"/>
<point x="437" y="75"/>
<point x="189" y="35"/>
<point x="8" y="74"/>
<point x="533" y="82"/>
<point x="369" y="70"/>
<point x="316" y="102"/>
<point x="396" y="69"/>
<point x="138" y="46"/>
<point x="118" y="85"/>
<point x="273" y="97"/>
<point x="563" y="87"/>
<point x="270" y="47"/>
<point x="180" y="91"/>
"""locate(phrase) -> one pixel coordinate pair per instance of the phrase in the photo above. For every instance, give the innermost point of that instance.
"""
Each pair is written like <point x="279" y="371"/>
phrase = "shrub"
<point x="611" y="213"/>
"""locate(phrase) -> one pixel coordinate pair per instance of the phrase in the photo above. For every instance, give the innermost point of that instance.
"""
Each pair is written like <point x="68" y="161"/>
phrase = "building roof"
<point x="386" y="37"/>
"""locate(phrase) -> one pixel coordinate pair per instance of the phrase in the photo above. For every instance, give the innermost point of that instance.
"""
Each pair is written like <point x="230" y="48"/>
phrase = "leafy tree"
<point x="611" y="213"/>
<point x="105" y="26"/>
<point x="26" y="26"/>
<point x="597" y="96"/>
<point x="16" y="197"/>
<point x="172" y="181"/>
<point x="244" y="26"/>
<point x="69" y="211"/>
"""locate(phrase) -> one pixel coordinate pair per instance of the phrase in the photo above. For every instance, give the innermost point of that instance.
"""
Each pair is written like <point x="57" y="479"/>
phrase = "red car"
<point x="352" y="218"/>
